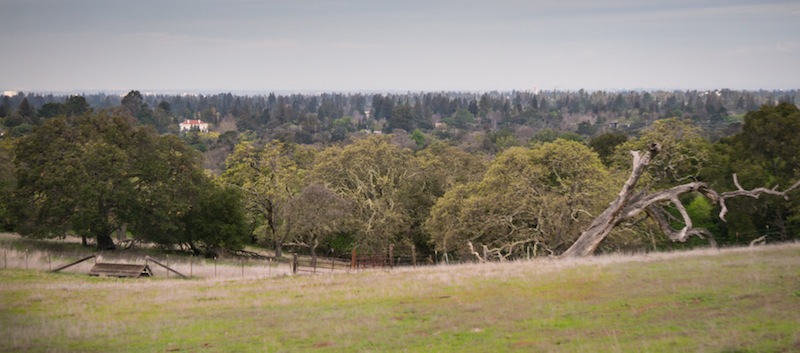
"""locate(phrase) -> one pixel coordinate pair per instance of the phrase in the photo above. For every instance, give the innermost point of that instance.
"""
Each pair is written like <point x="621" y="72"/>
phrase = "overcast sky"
<point x="417" y="45"/>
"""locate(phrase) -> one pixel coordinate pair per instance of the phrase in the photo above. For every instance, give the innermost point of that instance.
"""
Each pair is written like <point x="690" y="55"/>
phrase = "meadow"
<point x="729" y="300"/>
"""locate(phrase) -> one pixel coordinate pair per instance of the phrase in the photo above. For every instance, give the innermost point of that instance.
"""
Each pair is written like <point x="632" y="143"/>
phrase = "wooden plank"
<point x="120" y="270"/>
<point x="148" y="258"/>
<point x="74" y="263"/>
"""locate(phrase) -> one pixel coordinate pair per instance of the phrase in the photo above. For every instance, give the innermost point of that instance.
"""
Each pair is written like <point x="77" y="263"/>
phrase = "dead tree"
<point x="629" y="204"/>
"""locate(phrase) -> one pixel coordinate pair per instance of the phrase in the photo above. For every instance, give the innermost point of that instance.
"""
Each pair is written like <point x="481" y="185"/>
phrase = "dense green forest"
<point x="513" y="172"/>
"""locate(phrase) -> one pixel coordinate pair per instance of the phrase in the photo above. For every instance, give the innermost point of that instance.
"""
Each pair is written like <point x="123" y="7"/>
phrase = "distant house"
<point x="189" y="125"/>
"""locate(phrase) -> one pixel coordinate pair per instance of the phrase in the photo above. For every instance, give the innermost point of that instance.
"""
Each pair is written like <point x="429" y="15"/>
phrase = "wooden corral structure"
<point x="121" y="270"/>
<point x="354" y="263"/>
<point x="321" y="265"/>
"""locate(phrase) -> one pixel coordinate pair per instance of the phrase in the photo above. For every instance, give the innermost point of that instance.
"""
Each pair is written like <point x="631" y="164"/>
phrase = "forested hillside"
<point x="508" y="173"/>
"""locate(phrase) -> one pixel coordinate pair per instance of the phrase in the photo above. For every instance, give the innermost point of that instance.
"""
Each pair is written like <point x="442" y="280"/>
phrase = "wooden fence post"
<point x="294" y="263"/>
<point x="413" y="256"/>
<point x="242" y="268"/>
<point x="353" y="264"/>
<point x="215" y="266"/>
<point x="391" y="256"/>
<point x="191" y="266"/>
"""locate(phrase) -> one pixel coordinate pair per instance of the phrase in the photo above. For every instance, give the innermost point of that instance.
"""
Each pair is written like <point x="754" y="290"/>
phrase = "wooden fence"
<point x="355" y="262"/>
<point x="322" y="264"/>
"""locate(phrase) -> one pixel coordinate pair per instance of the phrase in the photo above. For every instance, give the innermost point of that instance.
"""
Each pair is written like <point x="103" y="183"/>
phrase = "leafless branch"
<point x="473" y="252"/>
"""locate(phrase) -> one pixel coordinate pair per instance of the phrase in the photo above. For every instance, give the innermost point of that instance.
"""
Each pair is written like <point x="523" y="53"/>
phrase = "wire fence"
<point x="174" y="266"/>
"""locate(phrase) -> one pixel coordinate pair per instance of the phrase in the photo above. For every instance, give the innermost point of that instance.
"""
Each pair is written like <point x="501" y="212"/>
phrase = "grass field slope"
<point x="732" y="300"/>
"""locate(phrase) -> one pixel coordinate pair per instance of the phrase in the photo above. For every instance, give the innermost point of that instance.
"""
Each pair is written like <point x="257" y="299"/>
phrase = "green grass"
<point x="740" y="300"/>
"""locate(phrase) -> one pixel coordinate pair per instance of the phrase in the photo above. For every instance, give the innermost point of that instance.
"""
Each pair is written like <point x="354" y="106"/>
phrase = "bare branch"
<point x="473" y="252"/>
<point x="758" y="241"/>
<point x="506" y="250"/>
<point x="736" y="182"/>
<point x="574" y="214"/>
<point x="636" y="207"/>
<point x="658" y="215"/>
<point x="755" y="193"/>
<point x="687" y="221"/>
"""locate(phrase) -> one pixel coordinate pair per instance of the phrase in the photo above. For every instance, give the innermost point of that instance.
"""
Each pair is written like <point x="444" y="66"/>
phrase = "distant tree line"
<point x="317" y="113"/>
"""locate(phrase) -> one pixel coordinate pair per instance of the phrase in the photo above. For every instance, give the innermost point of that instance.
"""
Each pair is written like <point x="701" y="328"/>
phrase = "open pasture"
<point x="733" y="300"/>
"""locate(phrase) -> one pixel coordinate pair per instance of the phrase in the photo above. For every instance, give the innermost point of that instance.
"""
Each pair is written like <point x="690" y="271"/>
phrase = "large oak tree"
<point x="269" y="176"/>
<point x="540" y="197"/>
<point x="376" y="177"/>
<point x="95" y="173"/>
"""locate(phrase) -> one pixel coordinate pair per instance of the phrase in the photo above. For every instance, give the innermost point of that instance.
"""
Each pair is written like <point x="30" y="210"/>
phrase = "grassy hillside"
<point x="739" y="300"/>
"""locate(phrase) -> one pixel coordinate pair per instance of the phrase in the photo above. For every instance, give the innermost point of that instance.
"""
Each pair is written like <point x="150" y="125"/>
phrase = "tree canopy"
<point x="96" y="173"/>
<point x="269" y="176"/>
<point x="540" y="196"/>
<point x="376" y="177"/>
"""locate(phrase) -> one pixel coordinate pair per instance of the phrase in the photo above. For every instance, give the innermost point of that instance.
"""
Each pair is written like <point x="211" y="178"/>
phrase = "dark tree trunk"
<point x="105" y="242"/>
<point x="195" y="250"/>
<point x="278" y="249"/>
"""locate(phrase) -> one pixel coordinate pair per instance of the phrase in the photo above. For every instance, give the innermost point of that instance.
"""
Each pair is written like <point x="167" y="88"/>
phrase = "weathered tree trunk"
<point x="606" y="221"/>
<point x="195" y="250"/>
<point x="122" y="233"/>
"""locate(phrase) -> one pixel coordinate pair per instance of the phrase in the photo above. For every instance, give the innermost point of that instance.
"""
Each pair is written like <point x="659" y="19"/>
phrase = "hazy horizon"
<point x="188" y="46"/>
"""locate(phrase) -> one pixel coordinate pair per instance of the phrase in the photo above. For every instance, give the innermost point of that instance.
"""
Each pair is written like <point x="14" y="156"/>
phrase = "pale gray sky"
<point x="329" y="45"/>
